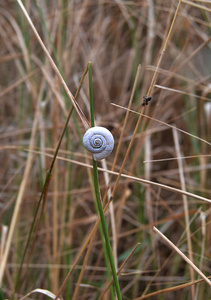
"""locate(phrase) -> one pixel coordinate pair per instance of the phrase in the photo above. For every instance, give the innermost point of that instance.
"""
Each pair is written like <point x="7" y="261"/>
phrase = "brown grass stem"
<point x="119" y="271"/>
<point x="83" y="248"/>
<point x="185" y="204"/>
<point x="20" y="195"/>
<point x="161" y="122"/>
<point x="205" y="278"/>
<point x="62" y="81"/>
<point x="154" y="78"/>
<point x="171" y="289"/>
<point x="132" y="178"/>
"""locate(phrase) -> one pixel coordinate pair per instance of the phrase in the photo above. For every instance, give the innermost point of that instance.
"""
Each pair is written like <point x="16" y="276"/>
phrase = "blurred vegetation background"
<point x="117" y="37"/>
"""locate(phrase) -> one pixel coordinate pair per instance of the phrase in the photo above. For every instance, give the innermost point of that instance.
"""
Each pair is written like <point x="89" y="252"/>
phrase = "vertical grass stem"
<point x="97" y="193"/>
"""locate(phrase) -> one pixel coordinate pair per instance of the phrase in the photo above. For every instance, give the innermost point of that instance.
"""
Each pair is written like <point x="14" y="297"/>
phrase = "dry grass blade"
<point x="16" y="84"/>
<point x="183" y="131"/>
<point x="158" y="173"/>
<point x="182" y="157"/>
<point x="75" y="295"/>
<point x="202" y="7"/>
<point x="20" y="195"/>
<point x="80" y="253"/>
<point x="40" y="291"/>
<point x="171" y="289"/>
<point x="154" y="78"/>
<point x="133" y="178"/>
<point x="119" y="271"/>
<point x="180" y="92"/>
<point x="77" y="108"/>
<point x="182" y="255"/>
<point x="185" y="204"/>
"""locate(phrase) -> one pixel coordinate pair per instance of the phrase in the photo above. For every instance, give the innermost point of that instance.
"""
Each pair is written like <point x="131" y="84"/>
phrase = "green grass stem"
<point x="97" y="194"/>
<point x="105" y="230"/>
<point x="1" y="295"/>
<point x="107" y="260"/>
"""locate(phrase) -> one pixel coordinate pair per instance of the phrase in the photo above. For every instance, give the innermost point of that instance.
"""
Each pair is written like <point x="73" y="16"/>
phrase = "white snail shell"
<point x="99" y="141"/>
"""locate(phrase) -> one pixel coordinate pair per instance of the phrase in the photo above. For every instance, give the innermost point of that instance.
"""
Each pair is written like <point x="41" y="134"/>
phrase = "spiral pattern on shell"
<point x="99" y="141"/>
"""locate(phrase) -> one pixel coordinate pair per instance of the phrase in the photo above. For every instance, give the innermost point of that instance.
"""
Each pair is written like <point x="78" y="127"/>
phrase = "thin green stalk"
<point x="97" y="193"/>
<point x="112" y="293"/>
<point x="100" y="225"/>
<point x="105" y="230"/>
<point x="1" y="295"/>
<point x="107" y="263"/>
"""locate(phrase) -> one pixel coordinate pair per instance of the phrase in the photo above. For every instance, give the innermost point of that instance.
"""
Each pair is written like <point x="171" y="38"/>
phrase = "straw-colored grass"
<point x="51" y="239"/>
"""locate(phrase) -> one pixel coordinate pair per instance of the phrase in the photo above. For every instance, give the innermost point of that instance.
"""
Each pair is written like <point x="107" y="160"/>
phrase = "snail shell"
<point x="99" y="141"/>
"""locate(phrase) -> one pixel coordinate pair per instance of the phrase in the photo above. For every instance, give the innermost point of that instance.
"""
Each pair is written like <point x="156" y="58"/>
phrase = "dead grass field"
<point x="159" y="174"/>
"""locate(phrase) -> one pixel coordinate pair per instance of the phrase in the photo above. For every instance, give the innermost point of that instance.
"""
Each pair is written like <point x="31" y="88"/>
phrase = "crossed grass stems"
<point x="95" y="171"/>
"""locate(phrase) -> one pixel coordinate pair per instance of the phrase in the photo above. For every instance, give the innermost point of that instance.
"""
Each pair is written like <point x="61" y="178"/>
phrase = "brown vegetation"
<point x="165" y="180"/>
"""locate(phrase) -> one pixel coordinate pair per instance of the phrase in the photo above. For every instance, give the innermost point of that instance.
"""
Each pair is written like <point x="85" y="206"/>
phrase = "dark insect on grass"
<point x="146" y="100"/>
